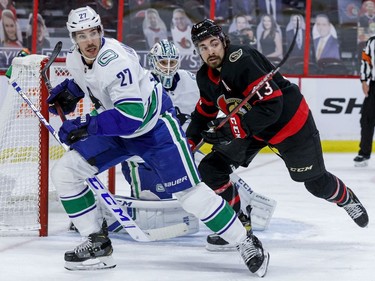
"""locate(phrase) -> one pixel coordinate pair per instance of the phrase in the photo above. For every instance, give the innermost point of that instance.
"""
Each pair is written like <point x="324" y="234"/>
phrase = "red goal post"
<point x="27" y="150"/>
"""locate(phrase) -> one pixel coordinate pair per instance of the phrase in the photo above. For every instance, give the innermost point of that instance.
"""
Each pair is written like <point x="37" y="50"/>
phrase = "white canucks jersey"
<point x="117" y="78"/>
<point x="185" y="93"/>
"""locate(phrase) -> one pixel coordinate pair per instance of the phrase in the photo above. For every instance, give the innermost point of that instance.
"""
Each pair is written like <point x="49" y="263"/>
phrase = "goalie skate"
<point x="95" y="253"/>
<point x="253" y="254"/>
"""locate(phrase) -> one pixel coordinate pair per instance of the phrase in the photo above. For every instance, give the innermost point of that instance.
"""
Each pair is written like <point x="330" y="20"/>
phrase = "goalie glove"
<point x="77" y="129"/>
<point x="67" y="94"/>
<point x="228" y="132"/>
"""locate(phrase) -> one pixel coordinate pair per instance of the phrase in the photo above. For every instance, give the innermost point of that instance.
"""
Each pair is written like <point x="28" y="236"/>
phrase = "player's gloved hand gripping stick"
<point x="94" y="183"/>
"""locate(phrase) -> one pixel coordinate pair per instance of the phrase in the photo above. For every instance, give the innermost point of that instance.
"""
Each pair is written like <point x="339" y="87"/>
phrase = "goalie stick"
<point x="105" y="196"/>
<point x="265" y="79"/>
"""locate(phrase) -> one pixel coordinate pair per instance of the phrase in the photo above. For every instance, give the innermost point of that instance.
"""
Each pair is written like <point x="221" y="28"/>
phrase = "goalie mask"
<point x="81" y="19"/>
<point x="164" y="58"/>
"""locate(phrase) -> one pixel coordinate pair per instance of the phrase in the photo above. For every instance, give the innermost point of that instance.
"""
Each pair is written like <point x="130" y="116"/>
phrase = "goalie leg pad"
<point x="152" y="214"/>
<point x="262" y="206"/>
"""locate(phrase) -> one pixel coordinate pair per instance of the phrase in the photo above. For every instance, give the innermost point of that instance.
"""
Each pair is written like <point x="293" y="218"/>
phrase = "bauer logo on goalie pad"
<point x="175" y="182"/>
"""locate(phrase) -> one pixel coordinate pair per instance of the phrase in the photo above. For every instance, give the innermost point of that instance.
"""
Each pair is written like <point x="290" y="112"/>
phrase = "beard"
<point x="214" y="61"/>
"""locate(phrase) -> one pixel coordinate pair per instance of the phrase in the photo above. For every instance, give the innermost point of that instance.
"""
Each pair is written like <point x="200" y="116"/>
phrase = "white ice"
<point x="308" y="239"/>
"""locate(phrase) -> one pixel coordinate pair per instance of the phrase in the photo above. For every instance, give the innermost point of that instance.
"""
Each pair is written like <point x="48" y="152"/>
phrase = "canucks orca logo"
<point x="233" y="57"/>
<point x="227" y="105"/>
<point x="106" y="57"/>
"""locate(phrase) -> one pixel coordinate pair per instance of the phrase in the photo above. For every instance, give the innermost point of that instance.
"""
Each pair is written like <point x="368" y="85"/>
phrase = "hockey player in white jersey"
<point x="181" y="86"/>
<point x="133" y="117"/>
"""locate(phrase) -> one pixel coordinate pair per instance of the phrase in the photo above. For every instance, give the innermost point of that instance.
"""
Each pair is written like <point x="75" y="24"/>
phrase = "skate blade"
<point x="220" y="248"/>
<point x="262" y="271"/>
<point x="91" y="264"/>
<point x="361" y="164"/>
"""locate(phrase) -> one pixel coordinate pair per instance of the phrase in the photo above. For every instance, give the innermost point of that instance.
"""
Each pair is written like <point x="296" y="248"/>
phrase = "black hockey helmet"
<point x="205" y="29"/>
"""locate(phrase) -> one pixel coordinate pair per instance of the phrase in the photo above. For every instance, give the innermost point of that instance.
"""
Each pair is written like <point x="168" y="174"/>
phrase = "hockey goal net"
<point x="27" y="150"/>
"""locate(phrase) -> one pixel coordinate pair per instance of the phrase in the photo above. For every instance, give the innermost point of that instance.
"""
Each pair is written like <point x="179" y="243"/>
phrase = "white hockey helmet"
<point x="81" y="19"/>
<point x="164" y="58"/>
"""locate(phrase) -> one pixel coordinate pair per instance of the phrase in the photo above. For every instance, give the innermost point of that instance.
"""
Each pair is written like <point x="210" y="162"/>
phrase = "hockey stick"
<point x="51" y="59"/>
<point x="265" y="79"/>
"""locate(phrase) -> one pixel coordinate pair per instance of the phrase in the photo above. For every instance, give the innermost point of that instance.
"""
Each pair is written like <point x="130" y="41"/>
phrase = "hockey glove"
<point x="182" y="117"/>
<point x="67" y="94"/>
<point x="77" y="129"/>
<point x="231" y="130"/>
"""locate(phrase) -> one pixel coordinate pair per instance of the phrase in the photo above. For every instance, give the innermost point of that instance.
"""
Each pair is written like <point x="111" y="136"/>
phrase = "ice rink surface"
<point x="308" y="239"/>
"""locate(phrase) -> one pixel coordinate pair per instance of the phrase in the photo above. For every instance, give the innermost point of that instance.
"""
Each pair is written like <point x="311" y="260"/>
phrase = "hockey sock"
<point x="213" y="211"/>
<point x="230" y="194"/>
<point x="341" y="195"/>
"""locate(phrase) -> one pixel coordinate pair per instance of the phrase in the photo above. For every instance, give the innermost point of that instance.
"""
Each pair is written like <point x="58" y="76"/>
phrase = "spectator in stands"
<point x="299" y="47"/>
<point x="271" y="7"/>
<point x="367" y="15"/>
<point x="7" y="5"/>
<point x="42" y="35"/>
<point x="270" y="38"/>
<point x="325" y="39"/>
<point x="238" y="24"/>
<point x="366" y="20"/>
<point x="154" y="28"/>
<point x="249" y="34"/>
<point x="10" y="32"/>
<point x="181" y="29"/>
<point x="245" y="7"/>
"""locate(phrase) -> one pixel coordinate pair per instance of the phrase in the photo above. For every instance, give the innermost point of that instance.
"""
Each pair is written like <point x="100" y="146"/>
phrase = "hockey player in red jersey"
<point x="276" y="116"/>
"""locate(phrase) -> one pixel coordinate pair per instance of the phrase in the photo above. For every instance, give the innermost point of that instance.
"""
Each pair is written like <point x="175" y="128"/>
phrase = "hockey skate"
<point x="253" y="254"/>
<point x="217" y="244"/>
<point x="94" y="253"/>
<point x="361" y="161"/>
<point x="355" y="210"/>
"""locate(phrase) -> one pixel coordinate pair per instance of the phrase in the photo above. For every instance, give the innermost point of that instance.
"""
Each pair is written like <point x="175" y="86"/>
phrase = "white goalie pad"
<point x="152" y="214"/>
<point x="262" y="206"/>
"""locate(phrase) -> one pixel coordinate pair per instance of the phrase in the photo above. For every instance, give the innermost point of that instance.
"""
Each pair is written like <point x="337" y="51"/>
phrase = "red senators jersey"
<point x="275" y="112"/>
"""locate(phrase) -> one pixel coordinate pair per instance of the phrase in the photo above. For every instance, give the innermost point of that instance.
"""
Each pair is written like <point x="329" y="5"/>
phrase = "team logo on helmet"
<point x="233" y="57"/>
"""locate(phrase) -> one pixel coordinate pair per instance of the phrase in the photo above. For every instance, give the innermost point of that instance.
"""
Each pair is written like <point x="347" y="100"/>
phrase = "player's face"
<point x="88" y="42"/>
<point x="212" y="51"/>
<point x="167" y="65"/>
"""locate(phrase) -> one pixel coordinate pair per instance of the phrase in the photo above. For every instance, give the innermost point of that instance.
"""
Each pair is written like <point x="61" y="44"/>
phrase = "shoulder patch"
<point x="233" y="57"/>
<point x="106" y="57"/>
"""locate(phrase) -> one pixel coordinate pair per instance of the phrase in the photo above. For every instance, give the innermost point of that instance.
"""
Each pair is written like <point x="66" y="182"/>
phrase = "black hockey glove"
<point x="67" y="94"/>
<point x="231" y="130"/>
<point x="182" y="117"/>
